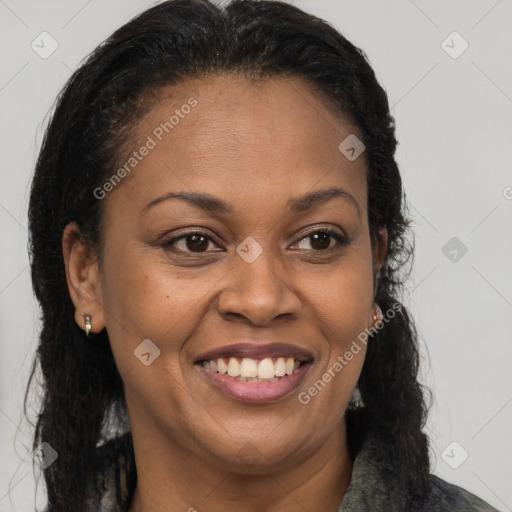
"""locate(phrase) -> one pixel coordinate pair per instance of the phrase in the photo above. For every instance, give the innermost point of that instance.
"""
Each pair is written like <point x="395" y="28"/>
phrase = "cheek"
<point x="342" y="300"/>
<point x="341" y="315"/>
<point x="341" y="304"/>
<point x="148" y="299"/>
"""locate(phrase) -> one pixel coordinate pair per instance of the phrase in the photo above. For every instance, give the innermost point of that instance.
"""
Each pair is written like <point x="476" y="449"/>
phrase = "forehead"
<point x="250" y="142"/>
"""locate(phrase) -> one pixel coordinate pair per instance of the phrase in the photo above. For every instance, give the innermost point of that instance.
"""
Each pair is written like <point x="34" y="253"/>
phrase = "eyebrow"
<point x="211" y="204"/>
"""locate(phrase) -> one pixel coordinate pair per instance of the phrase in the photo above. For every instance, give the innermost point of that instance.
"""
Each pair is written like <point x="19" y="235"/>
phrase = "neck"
<point x="316" y="483"/>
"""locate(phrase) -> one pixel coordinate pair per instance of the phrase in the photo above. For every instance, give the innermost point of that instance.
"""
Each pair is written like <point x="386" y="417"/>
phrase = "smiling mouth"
<point x="268" y="369"/>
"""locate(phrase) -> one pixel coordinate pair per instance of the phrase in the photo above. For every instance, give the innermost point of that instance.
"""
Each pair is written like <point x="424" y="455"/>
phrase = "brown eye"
<point x="194" y="242"/>
<point x="320" y="240"/>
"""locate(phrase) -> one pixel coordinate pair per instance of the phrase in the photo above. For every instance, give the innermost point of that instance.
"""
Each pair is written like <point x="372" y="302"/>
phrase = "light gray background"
<point x="454" y="127"/>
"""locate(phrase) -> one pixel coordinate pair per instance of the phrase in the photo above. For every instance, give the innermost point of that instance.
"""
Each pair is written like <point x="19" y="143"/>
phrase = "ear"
<point x="83" y="278"/>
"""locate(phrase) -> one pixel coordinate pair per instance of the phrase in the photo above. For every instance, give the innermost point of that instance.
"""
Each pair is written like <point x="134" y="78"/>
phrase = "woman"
<point x="218" y="241"/>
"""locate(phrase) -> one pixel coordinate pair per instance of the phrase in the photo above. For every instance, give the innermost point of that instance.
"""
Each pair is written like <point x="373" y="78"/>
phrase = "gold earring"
<point x="377" y="316"/>
<point x="87" y="322"/>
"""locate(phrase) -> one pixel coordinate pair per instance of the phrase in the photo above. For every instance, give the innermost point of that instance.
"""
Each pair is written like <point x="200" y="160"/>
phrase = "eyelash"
<point x="340" y="239"/>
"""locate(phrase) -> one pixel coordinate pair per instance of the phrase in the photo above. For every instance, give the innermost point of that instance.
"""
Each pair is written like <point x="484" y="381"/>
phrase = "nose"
<point x="258" y="292"/>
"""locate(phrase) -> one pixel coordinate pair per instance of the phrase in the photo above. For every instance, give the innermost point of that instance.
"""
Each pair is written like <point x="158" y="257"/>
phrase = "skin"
<point x="255" y="146"/>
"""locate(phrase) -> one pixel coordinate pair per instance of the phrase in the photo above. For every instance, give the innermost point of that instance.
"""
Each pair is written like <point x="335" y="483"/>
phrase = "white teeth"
<point x="233" y="367"/>
<point x="249" y="368"/>
<point x="252" y="370"/>
<point x="223" y="367"/>
<point x="266" y="369"/>
<point x="280" y="367"/>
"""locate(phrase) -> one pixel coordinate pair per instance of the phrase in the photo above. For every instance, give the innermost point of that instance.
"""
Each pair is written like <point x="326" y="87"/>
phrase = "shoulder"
<point x="445" y="496"/>
<point x="378" y="484"/>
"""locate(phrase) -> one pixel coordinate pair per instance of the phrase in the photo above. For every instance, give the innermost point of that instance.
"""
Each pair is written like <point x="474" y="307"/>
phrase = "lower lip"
<point x="255" y="392"/>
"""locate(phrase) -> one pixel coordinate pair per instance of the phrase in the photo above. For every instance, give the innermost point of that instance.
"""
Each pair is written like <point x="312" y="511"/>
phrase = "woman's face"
<point x="254" y="284"/>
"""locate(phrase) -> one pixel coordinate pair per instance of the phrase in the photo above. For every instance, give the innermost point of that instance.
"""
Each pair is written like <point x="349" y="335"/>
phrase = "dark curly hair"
<point x="92" y="121"/>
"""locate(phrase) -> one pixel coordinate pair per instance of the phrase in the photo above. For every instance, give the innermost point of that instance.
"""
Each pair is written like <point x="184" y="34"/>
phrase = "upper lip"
<point x="256" y="351"/>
